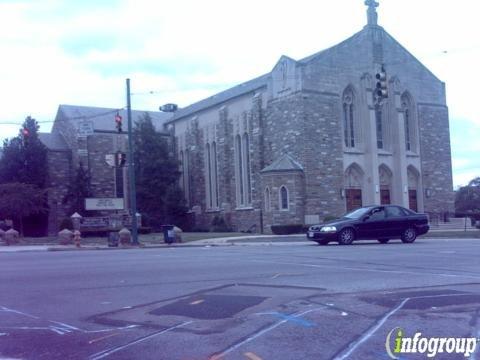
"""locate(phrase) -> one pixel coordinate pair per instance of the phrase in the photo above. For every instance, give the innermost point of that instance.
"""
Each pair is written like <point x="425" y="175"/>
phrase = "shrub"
<point x="287" y="229"/>
<point x="219" y="225"/>
<point x="66" y="224"/>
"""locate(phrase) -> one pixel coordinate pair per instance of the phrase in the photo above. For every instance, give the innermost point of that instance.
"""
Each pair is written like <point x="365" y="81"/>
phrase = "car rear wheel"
<point x="383" y="241"/>
<point x="409" y="235"/>
<point x="346" y="236"/>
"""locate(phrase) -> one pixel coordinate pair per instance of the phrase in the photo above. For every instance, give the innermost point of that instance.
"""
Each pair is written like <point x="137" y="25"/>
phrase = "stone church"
<point x="312" y="138"/>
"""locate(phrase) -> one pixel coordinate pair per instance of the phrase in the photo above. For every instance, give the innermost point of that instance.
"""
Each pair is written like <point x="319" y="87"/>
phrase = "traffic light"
<point x="25" y="132"/>
<point x="381" y="90"/>
<point x="121" y="159"/>
<point x="118" y="122"/>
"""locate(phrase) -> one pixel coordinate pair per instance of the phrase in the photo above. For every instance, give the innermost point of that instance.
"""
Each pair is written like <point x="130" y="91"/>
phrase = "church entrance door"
<point x="353" y="198"/>
<point x="412" y="200"/>
<point x="384" y="196"/>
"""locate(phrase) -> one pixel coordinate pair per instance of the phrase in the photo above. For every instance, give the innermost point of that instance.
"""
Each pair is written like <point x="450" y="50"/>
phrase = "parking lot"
<point x="290" y="301"/>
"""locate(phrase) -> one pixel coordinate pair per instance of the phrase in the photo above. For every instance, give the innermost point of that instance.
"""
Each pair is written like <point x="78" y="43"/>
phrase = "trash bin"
<point x="113" y="239"/>
<point x="168" y="233"/>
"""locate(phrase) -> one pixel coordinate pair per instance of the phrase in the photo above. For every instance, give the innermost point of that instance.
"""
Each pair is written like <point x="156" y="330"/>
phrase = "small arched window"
<point x="283" y="198"/>
<point x="267" y="200"/>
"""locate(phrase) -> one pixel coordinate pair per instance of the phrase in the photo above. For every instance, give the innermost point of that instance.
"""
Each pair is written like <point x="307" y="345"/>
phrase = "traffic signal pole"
<point x="131" y="171"/>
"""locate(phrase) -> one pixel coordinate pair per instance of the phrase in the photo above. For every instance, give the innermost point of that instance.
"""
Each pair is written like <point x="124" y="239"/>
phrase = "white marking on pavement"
<point x="3" y="308"/>
<point x="344" y="313"/>
<point x="105" y="353"/>
<point x="370" y="332"/>
<point x="263" y="332"/>
<point x="3" y="334"/>
<point x="416" y="273"/>
<point x="353" y="346"/>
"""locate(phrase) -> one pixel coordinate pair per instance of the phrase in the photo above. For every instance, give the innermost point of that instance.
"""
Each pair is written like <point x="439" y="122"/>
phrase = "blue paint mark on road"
<point x="293" y="319"/>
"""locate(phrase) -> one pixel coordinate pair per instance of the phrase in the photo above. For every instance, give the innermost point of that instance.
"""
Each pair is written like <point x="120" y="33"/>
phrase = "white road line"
<point x="417" y="273"/>
<point x="3" y="308"/>
<point x="370" y="332"/>
<point x="105" y="353"/>
<point x="262" y="332"/>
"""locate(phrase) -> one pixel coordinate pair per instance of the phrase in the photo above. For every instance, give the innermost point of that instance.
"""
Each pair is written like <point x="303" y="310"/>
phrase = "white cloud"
<point x="55" y="51"/>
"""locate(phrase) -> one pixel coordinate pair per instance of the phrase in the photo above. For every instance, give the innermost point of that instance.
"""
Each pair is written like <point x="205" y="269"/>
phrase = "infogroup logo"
<point x="397" y="343"/>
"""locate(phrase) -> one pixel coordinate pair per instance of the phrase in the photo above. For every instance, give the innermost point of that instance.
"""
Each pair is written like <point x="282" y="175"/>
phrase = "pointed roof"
<point x="53" y="141"/>
<point x="284" y="163"/>
<point x="104" y="118"/>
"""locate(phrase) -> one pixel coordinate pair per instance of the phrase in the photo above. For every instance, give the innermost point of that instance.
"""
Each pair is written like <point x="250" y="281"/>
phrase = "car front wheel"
<point x="346" y="236"/>
<point x="409" y="235"/>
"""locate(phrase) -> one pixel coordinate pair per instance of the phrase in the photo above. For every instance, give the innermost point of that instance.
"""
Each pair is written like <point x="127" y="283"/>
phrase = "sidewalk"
<point x="246" y="240"/>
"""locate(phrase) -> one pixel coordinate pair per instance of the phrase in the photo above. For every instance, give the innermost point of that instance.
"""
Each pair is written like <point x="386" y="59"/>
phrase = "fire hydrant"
<point x="77" y="238"/>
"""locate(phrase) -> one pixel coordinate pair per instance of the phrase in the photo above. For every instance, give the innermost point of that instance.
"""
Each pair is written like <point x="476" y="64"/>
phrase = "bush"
<point x="219" y="225"/>
<point x="287" y="229"/>
<point x="66" y="224"/>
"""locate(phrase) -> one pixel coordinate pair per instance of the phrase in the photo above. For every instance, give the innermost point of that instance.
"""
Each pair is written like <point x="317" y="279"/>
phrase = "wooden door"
<point x="412" y="200"/>
<point x="353" y="198"/>
<point x="384" y="196"/>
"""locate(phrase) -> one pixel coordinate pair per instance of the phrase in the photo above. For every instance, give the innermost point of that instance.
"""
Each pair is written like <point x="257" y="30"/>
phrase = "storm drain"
<point x="209" y="307"/>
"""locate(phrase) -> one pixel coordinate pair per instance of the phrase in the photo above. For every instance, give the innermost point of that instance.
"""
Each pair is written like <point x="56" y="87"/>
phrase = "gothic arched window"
<point x="349" y="132"/>
<point x="283" y="198"/>
<point x="246" y="165"/>
<point x="410" y="123"/>
<point x="239" y="167"/>
<point x="267" y="200"/>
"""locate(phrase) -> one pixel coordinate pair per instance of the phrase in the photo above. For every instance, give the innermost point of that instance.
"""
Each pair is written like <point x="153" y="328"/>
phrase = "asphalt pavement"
<point x="276" y="301"/>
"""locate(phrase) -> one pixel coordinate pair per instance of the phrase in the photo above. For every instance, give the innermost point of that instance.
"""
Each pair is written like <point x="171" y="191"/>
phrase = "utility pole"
<point x="131" y="171"/>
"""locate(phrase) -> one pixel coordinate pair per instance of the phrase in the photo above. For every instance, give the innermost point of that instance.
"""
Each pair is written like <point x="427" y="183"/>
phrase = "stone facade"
<point x="308" y="140"/>
<point x="68" y="147"/>
<point x="322" y="112"/>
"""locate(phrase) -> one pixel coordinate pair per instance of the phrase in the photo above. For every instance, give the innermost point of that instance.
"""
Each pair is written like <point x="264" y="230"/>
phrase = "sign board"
<point x="104" y="204"/>
<point x="85" y="128"/>
<point x="110" y="159"/>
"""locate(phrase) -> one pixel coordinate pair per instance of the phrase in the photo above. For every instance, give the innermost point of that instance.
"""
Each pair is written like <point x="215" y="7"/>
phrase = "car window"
<point x="377" y="214"/>
<point x="356" y="214"/>
<point x="394" y="211"/>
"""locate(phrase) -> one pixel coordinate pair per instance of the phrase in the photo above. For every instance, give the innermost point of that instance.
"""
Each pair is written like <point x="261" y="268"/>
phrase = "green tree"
<point x="24" y="157"/>
<point x="18" y="201"/>
<point x="157" y="174"/>
<point x="467" y="198"/>
<point x="78" y="190"/>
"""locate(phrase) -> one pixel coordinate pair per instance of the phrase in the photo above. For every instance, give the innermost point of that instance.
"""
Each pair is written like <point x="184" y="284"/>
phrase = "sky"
<point x="180" y="51"/>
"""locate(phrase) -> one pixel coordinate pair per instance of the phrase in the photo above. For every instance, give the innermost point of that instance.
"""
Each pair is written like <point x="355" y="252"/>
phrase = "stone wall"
<point x="436" y="158"/>
<point x="295" y="185"/>
<point x="59" y="164"/>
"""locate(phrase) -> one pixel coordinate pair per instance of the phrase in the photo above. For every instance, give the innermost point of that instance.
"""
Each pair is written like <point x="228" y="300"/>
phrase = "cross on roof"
<point x="372" y="12"/>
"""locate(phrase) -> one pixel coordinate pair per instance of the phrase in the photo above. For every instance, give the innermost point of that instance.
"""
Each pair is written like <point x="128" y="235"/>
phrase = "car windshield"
<point x="356" y="214"/>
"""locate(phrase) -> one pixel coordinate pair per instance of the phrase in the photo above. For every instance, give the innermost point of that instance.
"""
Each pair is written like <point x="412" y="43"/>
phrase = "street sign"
<point x="104" y="204"/>
<point x="110" y="160"/>
<point x="85" y="128"/>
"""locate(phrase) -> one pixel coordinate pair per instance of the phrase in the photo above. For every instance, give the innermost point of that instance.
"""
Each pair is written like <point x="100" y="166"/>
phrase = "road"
<point x="295" y="301"/>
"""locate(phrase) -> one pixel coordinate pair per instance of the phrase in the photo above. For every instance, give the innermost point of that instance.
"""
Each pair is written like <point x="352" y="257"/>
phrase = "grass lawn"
<point x="154" y="238"/>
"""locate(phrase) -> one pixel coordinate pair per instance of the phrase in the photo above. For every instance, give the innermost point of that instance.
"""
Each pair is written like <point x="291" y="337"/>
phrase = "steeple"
<point x="372" y="15"/>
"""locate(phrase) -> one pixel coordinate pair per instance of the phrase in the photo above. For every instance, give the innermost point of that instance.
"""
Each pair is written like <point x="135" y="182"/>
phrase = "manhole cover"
<point x="209" y="306"/>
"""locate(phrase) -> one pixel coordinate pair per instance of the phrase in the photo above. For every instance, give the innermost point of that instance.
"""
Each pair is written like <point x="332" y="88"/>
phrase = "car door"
<point x="395" y="222"/>
<point x="373" y="225"/>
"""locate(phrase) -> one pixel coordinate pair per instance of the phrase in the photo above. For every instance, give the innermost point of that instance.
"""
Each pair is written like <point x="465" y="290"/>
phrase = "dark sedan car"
<point x="372" y="222"/>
